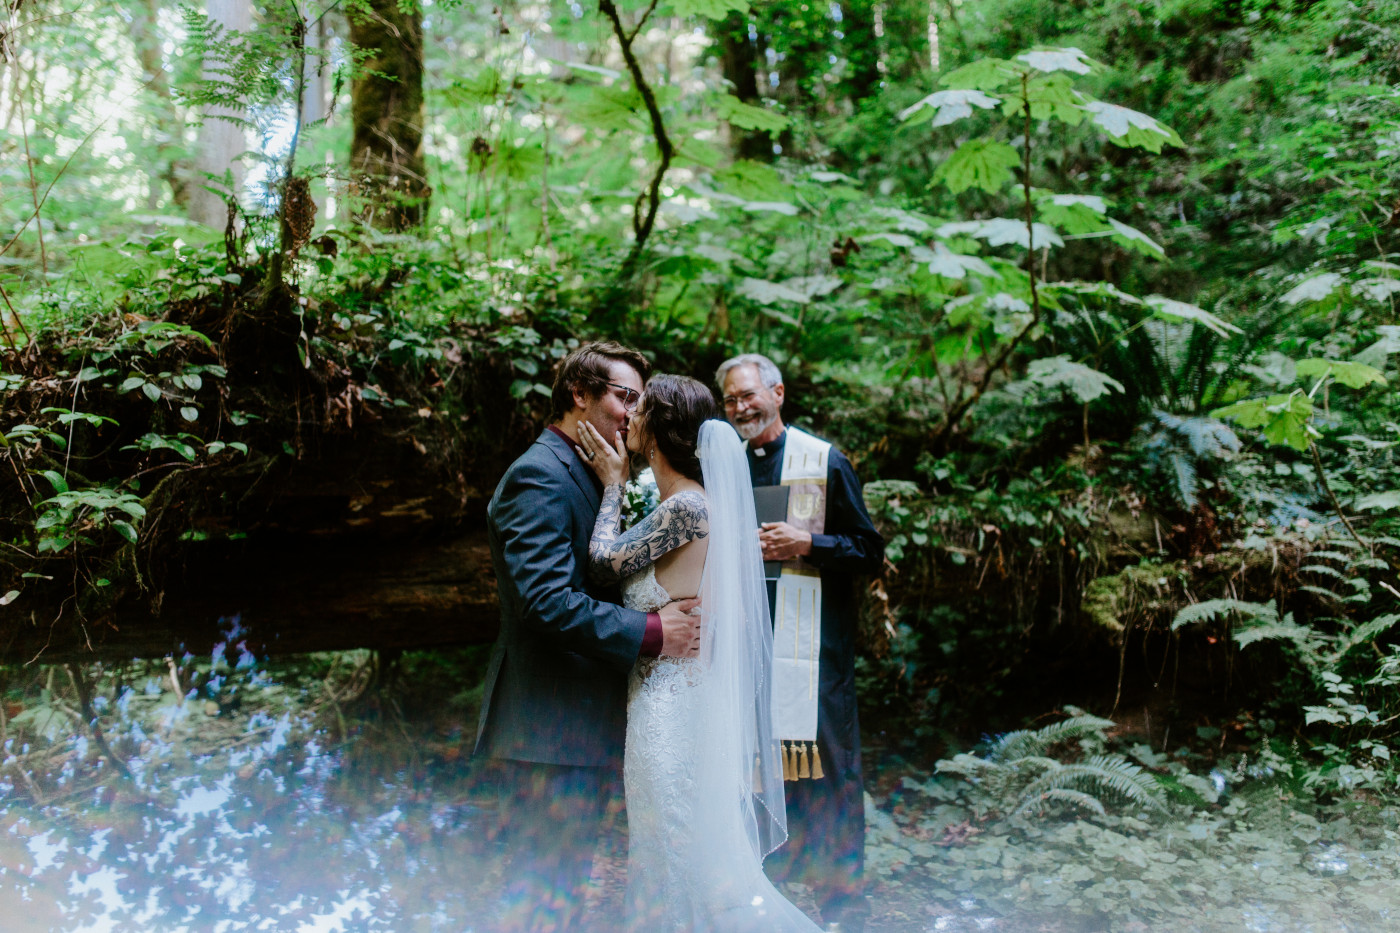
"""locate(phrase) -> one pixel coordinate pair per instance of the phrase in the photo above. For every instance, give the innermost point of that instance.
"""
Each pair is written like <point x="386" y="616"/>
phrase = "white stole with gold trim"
<point x="797" y="628"/>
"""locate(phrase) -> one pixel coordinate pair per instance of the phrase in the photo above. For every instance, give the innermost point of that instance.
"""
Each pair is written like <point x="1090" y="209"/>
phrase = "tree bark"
<point x="739" y="64"/>
<point x="172" y="168"/>
<point x="388" y="172"/>
<point x="220" y="141"/>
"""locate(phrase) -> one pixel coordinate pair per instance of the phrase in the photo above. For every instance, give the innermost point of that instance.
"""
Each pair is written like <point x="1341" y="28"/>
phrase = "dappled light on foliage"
<point x="1099" y="299"/>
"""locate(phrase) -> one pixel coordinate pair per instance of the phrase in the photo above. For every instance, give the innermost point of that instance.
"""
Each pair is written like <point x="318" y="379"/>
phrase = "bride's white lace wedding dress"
<point x="693" y="861"/>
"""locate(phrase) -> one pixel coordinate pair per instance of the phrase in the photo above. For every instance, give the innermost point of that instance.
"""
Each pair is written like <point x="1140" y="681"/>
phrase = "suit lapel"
<point x="574" y="464"/>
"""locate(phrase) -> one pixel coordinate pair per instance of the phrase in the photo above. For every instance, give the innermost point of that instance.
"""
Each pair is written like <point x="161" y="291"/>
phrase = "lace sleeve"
<point x="613" y="555"/>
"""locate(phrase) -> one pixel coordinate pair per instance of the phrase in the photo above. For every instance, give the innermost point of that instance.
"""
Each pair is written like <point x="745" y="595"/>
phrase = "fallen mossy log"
<point x="158" y="458"/>
<point x="288" y="596"/>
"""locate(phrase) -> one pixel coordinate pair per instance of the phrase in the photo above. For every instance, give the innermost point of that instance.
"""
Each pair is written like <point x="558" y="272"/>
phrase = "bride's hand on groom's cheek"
<point x="609" y="461"/>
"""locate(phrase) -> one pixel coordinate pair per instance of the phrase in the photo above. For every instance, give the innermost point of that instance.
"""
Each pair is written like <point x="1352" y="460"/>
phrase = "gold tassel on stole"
<point x="788" y="774"/>
<point x="803" y="770"/>
<point x="817" y="772"/>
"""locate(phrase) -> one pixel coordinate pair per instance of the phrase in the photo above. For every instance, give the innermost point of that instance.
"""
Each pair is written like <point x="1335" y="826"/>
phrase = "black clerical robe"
<point x="826" y="817"/>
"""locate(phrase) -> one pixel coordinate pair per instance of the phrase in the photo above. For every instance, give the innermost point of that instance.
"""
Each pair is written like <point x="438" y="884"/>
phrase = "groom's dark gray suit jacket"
<point x="556" y="690"/>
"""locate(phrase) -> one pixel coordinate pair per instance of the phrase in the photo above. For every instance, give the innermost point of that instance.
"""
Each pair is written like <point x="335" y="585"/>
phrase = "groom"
<point x="554" y="705"/>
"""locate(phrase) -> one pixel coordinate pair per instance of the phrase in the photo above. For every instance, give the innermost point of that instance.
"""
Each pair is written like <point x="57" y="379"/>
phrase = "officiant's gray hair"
<point x="767" y="369"/>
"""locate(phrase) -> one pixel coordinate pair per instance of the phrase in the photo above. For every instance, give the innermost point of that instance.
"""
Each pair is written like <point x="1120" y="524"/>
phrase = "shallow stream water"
<point x="333" y="793"/>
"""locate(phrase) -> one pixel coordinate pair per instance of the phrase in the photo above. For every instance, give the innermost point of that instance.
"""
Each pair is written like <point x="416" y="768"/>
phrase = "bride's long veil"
<point x="738" y="757"/>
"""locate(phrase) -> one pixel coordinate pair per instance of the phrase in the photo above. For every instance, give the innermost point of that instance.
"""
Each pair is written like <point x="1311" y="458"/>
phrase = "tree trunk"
<point x="864" y="33"/>
<point x="315" y="96"/>
<point x="739" y="64"/>
<point x="220" y="141"/>
<point x="387" y="169"/>
<point x="170" y="166"/>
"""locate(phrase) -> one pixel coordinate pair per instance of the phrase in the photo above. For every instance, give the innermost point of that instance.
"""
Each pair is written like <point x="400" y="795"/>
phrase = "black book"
<point x="771" y="505"/>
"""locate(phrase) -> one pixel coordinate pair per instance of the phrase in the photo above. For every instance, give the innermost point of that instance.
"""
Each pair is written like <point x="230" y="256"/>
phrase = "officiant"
<point x="814" y="550"/>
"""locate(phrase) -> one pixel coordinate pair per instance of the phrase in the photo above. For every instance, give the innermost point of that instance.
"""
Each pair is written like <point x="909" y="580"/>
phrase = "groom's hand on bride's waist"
<point x="680" y="629"/>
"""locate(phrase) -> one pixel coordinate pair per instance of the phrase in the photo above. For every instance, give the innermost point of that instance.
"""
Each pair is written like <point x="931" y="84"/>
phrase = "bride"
<point x="701" y="769"/>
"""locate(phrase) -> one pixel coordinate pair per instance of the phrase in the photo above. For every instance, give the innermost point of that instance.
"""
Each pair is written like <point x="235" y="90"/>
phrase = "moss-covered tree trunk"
<point x="386" y="152"/>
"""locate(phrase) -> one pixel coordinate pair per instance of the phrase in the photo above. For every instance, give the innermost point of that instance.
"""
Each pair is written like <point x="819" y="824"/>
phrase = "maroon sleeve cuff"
<point x="651" y="641"/>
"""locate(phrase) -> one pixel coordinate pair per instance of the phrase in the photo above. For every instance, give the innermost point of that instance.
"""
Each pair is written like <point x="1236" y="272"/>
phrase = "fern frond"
<point x="1302" y="636"/>
<point x="1112" y="773"/>
<point x="1025" y="743"/>
<point x="1063" y="795"/>
<point x="1367" y="563"/>
<point x="1184" y="472"/>
<point x="1366" y="633"/>
<point x="1213" y="608"/>
<point x="1324" y="569"/>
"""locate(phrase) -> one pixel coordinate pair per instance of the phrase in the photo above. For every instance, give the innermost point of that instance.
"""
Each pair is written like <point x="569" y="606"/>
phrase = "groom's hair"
<point x="587" y="369"/>
<point x="674" y="407"/>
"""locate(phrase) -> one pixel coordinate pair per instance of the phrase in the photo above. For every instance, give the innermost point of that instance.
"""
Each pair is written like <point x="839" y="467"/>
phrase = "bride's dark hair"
<point x="673" y="409"/>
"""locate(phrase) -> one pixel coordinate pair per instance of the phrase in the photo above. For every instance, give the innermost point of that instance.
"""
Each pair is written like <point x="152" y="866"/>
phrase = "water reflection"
<point x="222" y="794"/>
<point x="330" y="793"/>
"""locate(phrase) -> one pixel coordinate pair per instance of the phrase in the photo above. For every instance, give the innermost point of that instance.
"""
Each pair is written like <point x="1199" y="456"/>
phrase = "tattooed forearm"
<point x="605" y="531"/>
<point x="677" y="521"/>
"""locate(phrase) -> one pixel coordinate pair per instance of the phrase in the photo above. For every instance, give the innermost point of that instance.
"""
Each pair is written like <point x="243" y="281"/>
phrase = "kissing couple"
<point x="652" y="645"/>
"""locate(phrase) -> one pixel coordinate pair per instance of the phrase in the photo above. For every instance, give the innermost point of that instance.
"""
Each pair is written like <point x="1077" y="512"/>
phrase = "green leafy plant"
<point x="1017" y="774"/>
<point x="72" y="516"/>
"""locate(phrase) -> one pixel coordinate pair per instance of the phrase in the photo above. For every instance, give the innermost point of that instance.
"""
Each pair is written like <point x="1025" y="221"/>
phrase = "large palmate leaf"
<point x="1130" y="128"/>
<point x="904" y="220"/>
<point x="943" y="261"/>
<point x="1074" y="213"/>
<point x="944" y="107"/>
<point x="1284" y="418"/>
<point x="1352" y="375"/>
<point x="1376" y="289"/>
<point x="1135" y="240"/>
<point x="754" y="181"/>
<point x="608" y="108"/>
<point x="985" y="164"/>
<point x="1377" y="353"/>
<point x="894" y="239"/>
<point x="800" y="290"/>
<point x="766" y="293"/>
<point x="1003" y="231"/>
<point x="749" y="117"/>
<point x="1097" y="289"/>
<point x="1049" y="95"/>
<point x="1379" y="500"/>
<point x="1314" y="289"/>
<point x="986" y="74"/>
<point x="1060" y="372"/>
<point x="1171" y="310"/>
<point x="1061" y="59"/>
<point x="710" y="9"/>
<point x="971" y="310"/>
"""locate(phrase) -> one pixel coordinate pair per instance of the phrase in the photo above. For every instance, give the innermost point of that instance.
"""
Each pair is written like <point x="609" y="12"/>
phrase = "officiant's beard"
<point x="761" y="422"/>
